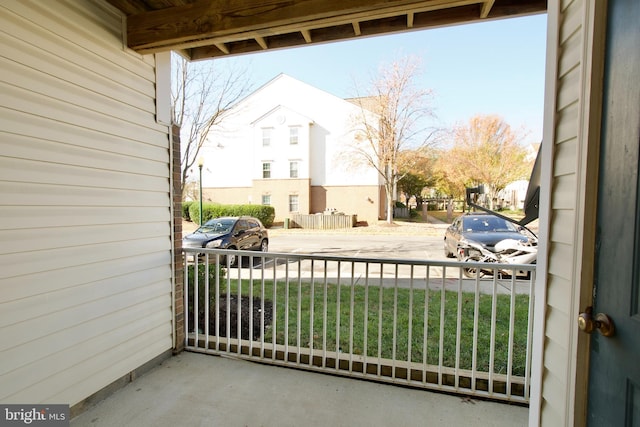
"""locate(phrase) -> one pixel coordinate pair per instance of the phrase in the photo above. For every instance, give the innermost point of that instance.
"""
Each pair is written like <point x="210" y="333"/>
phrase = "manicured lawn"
<point x="299" y="305"/>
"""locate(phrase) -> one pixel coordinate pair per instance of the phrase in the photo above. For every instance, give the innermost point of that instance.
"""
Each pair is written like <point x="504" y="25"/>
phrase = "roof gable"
<point x="280" y="115"/>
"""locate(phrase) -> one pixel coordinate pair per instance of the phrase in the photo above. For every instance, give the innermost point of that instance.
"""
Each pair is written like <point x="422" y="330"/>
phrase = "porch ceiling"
<point x="202" y="29"/>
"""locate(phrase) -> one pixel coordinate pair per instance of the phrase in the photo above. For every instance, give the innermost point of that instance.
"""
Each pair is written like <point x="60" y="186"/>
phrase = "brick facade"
<point x="178" y="260"/>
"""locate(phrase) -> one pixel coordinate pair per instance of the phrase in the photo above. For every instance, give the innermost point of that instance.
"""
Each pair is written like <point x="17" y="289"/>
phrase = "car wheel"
<point x="472" y="272"/>
<point x="264" y="245"/>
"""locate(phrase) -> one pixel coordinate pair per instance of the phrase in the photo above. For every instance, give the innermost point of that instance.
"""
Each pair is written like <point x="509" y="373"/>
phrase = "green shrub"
<point x="203" y="270"/>
<point x="185" y="210"/>
<point x="266" y="214"/>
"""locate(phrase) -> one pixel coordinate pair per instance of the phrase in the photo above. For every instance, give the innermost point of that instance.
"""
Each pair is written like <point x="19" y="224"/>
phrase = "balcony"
<point x="423" y="324"/>
<point x="404" y="327"/>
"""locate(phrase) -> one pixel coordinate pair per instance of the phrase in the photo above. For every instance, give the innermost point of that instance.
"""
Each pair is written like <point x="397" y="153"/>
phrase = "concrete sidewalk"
<point x="193" y="389"/>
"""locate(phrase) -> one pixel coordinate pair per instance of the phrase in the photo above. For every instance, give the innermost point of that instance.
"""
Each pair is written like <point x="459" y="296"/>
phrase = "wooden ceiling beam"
<point x="220" y="20"/>
<point x="367" y="28"/>
<point x="486" y="8"/>
<point x="262" y="42"/>
<point x="212" y="28"/>
<point x="307" y="35"/>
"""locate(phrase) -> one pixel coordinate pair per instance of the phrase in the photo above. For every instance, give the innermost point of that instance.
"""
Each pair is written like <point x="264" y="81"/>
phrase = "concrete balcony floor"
<point x="193" y="389"/>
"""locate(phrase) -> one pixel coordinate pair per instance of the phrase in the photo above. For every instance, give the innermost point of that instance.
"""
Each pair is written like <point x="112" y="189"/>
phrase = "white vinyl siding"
<point x="571" y="203"/>
<point x="85" y="277"/>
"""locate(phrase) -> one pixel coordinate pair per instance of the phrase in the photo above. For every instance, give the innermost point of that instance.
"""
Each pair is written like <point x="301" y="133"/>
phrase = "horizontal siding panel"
<point x="567" y="126"/>
<point x="42" y="239"/>
<point x="18" y="217"/>
<point x="572" y="54"/>
<point x="29" y="194"/>
<point x="19" y="99"/>
<point x="558" y="292"/>
<point x="86" y="278"/>
<point x="24" y="378"/>
<point x="555" y="383"/>
<point x="550" y="416"/>
<point x="564" y="192"/>
<point x="45" y="129"/>
<point x="74" y="364"/>
<point x="129" y="356"/>
<point x="101" y="37"/>
<point x="565" y="160"/>
<point x="42" y="150"/>
<point x="31" y="284"/>
<point x="568" y="90"/>
<point x="38" y="172"/>
<point x="40" y="81"/>
<point x="560" y="257"/>
<point x="550" y="408"/>
<point x="562" y="227"/>
<point x="41" y="261"/>
<point x="572" y="21"/>
<point x="20" y="56"/>
<point x="60" y="329"/>
<point x="24" y="310"/>
<point x="558" y="317"/>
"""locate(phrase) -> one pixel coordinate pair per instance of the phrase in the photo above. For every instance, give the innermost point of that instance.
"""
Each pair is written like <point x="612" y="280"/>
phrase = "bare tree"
<point x="485" y="151"/>
<point x="391" y="119"/>
<point x="201" y="96"/>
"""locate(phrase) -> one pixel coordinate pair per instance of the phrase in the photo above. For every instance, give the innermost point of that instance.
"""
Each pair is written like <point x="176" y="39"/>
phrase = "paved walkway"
<point x="193" y="389"/>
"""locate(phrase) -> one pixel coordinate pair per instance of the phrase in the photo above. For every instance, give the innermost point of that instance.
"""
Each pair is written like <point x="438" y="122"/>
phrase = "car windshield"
<point x="217" y="226"/>
<point x="487" y="223"/>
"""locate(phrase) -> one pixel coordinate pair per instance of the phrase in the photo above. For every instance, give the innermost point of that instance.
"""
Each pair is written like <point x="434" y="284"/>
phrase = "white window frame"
<point x="294" y="171"/>
<point x="266" y="169"/>
<point x="294" y="135"/>
<point x="294" y="202"/>
<point x="267" y="134"/>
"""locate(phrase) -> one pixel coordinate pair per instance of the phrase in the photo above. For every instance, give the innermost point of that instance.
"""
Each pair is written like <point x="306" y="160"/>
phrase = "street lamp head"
<point x="200" y="162"/>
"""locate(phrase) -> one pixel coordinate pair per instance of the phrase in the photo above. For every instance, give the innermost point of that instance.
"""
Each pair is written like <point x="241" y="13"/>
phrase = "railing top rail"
<point x="356" y="259"/>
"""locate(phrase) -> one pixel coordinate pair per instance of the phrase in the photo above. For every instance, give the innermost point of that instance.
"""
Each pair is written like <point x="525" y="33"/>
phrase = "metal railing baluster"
<point x="466" y="323"/>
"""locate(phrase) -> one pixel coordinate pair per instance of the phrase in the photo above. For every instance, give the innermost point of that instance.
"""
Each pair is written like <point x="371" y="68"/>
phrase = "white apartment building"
<point x="286" y="145"/>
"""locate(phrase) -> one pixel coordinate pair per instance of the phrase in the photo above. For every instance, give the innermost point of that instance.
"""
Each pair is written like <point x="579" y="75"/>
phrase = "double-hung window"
<point x="266" y="137"/>
<point x="293" y="169"/>
<point x="293" y="135"/>
<point x="266" y="170"/>
<point x="293" y="203"/>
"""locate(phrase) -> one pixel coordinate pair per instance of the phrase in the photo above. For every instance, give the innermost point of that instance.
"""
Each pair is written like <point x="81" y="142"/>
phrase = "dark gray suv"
<point x="242" y="233"/>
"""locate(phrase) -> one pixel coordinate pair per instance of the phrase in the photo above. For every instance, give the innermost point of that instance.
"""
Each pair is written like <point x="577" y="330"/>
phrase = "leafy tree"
<point x="486" y="151"/>
<point x="389" y="120"/>
<point x="417" y="169"/>
<point x="201" y="95"/>
<point x="412" y="185"/>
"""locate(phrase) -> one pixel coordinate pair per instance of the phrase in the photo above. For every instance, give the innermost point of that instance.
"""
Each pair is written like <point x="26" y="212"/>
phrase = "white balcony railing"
<point x="416" y="323"/>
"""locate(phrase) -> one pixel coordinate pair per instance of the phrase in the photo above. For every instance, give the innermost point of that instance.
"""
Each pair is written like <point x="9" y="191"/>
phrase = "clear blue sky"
<point x="494" y="67"/>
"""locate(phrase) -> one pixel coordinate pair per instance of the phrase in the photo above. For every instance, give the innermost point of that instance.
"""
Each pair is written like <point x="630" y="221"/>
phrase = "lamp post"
<point x="200" y="164"/>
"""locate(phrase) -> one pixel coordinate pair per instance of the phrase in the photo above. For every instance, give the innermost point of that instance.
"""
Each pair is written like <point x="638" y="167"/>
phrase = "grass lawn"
<point x="298" y="305"/>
